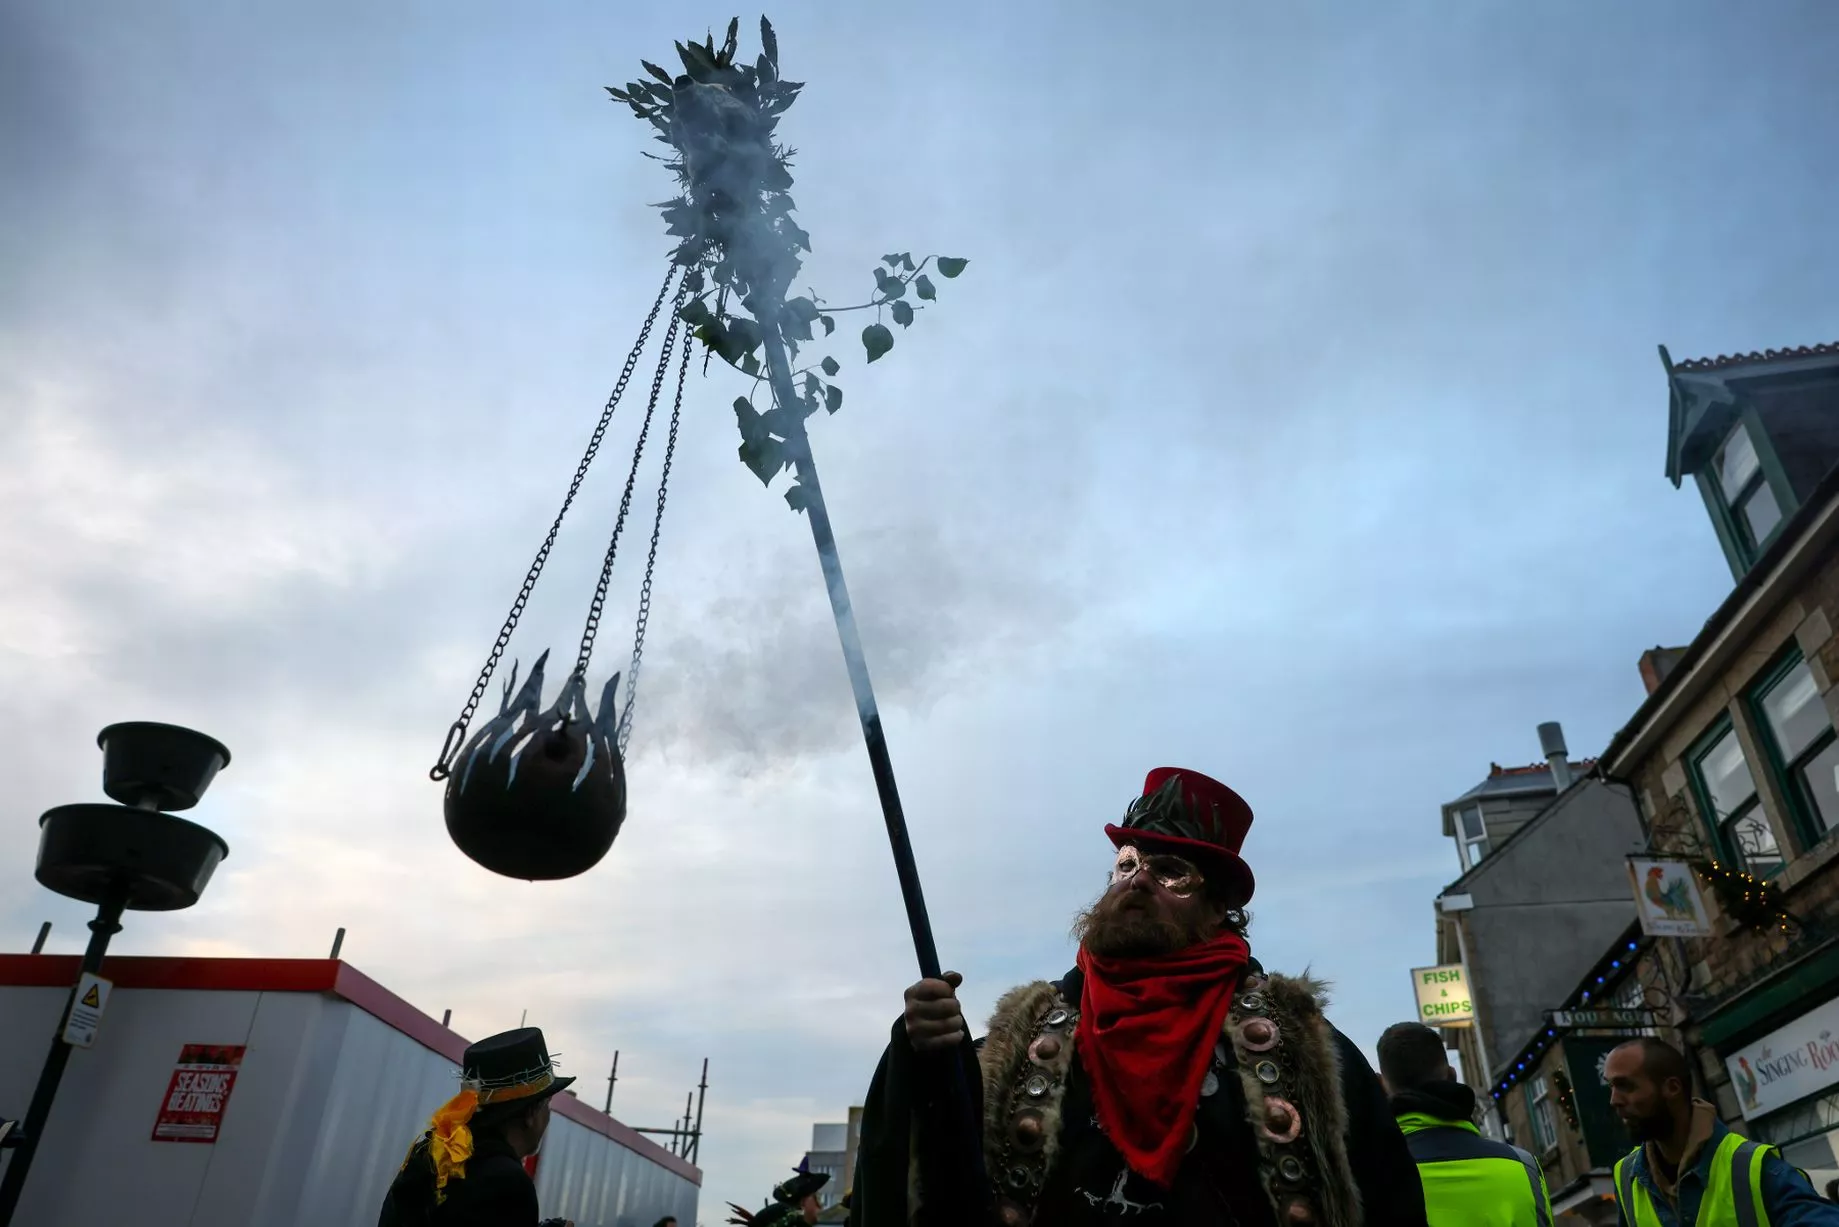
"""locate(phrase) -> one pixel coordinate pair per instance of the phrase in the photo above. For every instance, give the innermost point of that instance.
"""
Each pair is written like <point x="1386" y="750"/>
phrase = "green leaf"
<point x="692" y="282"/>
<point x="801" y="308"/>
<point x="716" y="337"/>
<point x="811" y="384"/>
<point x="903" y="313"/>
<point x="796" y="497"/>
<point x="922" y="286"/>
<point x="655" y="71"/>
<point x="877" y="340"/>
<point x="732" y="41"/>
<point x="890" y="261"/>
<point x="831" y="366"/>
<point x="829" y="324"/>
<point x="750" y="365"/>
<point x="695" y="311"/>
<point x="769" y="42"/>
<point x="833" y="398"/>
<point x="697" y="61"/>
<point x="620" y="94"/>
<point x="906" y="260"/>
<point x="890" y="287"/>
<point x="949" y="267"/>
<point x="748" y="418"/>
<point x="746" y="335"/>
<point x="764" y="456"/>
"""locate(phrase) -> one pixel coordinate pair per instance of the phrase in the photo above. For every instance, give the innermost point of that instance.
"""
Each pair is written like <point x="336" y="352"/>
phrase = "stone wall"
<point x="1736" y="956"/>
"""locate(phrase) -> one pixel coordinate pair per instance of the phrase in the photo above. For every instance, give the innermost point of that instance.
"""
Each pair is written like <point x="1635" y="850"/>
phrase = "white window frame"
<point x="1540" y="1112"/>
<point x="1465" y="843"/>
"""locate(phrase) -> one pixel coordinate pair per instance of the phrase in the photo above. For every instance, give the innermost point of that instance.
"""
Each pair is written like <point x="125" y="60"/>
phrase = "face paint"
<point x="1178" y="877"/>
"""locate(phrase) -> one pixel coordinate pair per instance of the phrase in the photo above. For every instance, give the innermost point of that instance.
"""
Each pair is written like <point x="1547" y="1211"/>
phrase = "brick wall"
<point x="1735" y="956"/>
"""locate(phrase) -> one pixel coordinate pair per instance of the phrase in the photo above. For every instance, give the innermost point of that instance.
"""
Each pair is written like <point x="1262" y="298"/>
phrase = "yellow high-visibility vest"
<point x="1733" y="1188"/>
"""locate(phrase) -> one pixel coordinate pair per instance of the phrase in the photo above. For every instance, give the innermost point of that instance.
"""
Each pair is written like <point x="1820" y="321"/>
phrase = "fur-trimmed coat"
<point x="1046" y="1162"/>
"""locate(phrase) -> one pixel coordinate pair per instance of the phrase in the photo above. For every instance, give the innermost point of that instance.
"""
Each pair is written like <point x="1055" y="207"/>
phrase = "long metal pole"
<point x="818" y="513"/>
<point x="611" y="1079"/>
<point x="919" y="923"/>
<point x="106" y="924"/>
<point x="702" y="1091"/>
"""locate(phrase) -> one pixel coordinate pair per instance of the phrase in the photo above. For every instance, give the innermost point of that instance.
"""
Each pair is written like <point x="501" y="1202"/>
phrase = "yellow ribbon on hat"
<point x="450" y="1141"/>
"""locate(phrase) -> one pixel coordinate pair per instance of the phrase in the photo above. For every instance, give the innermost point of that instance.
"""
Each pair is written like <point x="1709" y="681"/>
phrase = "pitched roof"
<point x="1519" y="781"/>
<point x="1767" y="355"/>
<point x="1701" y="404"/>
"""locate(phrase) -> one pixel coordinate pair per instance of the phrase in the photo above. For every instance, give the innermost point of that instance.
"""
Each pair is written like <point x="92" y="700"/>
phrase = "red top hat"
<point x="1187" y="814"/>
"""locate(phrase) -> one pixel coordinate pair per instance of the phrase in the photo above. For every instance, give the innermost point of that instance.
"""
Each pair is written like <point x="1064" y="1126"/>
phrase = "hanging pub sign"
<point x="1667" y="897"/>
<point x="198" y="1093"/>
<point x="1607" y="1018"/>
<point x="1443" y="995"/>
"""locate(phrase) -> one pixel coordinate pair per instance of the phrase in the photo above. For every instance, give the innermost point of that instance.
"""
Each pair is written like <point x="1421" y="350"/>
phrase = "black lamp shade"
<point x="161" y="766"/>
<point x="88" y="851"/>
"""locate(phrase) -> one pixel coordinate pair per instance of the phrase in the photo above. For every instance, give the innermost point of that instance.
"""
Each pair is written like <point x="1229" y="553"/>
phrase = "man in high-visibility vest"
<point x="1688" y="1169"/>
<point x="1469" y="1180"/>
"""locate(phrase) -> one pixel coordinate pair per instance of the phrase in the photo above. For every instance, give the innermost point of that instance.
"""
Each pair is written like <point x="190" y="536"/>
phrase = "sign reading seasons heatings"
<point x="198" y="1093"/>
<point x="1443" y="995"/>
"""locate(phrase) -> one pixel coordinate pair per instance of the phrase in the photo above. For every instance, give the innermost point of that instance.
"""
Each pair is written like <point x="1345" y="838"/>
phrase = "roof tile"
<point x="1767" y="355"/>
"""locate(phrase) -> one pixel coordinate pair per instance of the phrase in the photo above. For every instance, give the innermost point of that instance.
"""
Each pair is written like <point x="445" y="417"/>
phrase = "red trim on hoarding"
<point x="329" y="976"/>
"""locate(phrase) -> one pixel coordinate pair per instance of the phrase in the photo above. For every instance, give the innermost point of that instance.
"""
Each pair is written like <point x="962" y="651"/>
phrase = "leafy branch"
<point x="741" y="247"/>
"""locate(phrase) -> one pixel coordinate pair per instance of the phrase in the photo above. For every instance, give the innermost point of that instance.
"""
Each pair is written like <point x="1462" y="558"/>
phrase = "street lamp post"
<point x="133" y="856"/>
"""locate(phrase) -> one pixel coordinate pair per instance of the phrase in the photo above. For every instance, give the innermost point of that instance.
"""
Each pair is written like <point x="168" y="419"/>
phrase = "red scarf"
<point x="1147" y="1029"/>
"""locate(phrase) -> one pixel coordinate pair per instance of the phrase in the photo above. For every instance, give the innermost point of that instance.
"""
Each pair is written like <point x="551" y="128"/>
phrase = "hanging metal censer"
<point x="538" y="792"/>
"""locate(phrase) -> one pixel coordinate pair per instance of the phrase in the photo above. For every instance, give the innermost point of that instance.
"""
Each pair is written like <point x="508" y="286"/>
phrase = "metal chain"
<point x="651" y="560"/>
<point x="598" y="606"/>
<point x="457" y="733"/>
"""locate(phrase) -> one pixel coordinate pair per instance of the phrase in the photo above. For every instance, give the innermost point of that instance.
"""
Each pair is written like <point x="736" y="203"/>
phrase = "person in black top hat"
<point x="801" y="1190"/>
<point x="467" y="1168"/>
<point x="794" y="1201"/>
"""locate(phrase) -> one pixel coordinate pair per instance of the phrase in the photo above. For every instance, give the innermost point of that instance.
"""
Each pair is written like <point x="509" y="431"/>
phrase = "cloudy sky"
<point x="1298" y="420"/>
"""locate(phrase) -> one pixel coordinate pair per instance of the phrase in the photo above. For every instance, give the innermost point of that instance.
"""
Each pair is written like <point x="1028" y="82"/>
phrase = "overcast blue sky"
<point x="1298" y="421"/>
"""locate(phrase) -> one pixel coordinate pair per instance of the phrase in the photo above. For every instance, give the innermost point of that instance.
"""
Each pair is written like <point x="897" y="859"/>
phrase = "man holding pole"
<point x="1166" y="1081"/>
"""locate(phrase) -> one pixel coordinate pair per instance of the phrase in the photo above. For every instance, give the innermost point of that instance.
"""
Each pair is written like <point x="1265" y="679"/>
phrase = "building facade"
<point x="1542" y="894"/>
<point x="833" y="1154"/>
<point x="1552" y="1092"/>
<point x="1733" y="757"/>
<point x="321" y="1080"/>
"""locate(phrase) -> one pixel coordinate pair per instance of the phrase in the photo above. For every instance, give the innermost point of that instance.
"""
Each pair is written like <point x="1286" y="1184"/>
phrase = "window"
<point x="1745" y="487"/>
<point x="1801" y="744"/>
<point x="1474" y="835"/>
<point x="1539" y="1113"/>
<point x="1727" y="795"/>
<point x="1630" y="994"/>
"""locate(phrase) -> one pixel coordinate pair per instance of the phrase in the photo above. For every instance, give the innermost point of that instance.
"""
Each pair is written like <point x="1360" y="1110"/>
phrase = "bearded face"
<point x="1154" y="906"/>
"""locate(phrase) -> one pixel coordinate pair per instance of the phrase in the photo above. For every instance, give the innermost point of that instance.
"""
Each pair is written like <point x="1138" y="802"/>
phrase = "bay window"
<point x="1727" y="796"/>
<point x="1801" y="744"/>
<point x="1754" y="511"/>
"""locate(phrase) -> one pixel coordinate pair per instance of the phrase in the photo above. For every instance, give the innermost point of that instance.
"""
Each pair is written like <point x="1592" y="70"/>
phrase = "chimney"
<point x="1656" y="663"/>
<point x="1551" y="740"/>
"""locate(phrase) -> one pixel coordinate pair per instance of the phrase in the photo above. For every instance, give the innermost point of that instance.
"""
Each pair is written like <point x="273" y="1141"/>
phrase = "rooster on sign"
<point x="1674" y="900"/>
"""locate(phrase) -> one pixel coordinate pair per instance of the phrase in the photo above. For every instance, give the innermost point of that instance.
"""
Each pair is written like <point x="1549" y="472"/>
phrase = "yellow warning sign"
<point x="86" y="1010"/>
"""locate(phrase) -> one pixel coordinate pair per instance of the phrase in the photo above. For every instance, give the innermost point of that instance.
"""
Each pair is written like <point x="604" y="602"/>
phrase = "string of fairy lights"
<point x="1754" y="902"/>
